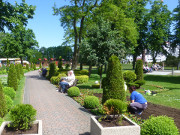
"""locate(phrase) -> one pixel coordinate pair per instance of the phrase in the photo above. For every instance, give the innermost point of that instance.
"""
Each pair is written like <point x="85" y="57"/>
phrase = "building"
<point x="3" y="61"/>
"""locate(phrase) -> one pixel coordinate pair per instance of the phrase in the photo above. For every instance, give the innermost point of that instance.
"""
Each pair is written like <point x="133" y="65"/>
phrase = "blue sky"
<point x="47" y="27"/>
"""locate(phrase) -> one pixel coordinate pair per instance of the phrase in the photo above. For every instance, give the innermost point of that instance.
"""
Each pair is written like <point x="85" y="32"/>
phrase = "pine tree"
<point x="12" y="77"/>
<point x="3" y="108"/>
<point x="139" y="70"/>
<point x="113" y="84"/>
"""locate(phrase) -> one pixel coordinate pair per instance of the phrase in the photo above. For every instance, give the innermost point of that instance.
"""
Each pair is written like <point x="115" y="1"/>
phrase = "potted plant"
<point x="114" y="109"/>
<point x="23" y="121"/>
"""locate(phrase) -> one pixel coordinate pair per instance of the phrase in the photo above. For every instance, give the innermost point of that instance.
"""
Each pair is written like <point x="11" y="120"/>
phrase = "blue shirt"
<point x="137" y="97"/>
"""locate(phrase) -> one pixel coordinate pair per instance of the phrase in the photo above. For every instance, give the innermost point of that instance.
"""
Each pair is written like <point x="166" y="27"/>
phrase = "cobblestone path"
<point x="60" y="114"/>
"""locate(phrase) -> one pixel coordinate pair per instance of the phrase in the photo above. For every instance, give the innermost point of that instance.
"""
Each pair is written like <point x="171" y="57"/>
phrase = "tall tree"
<point x="12" y="15"/>
<point x="176" y="36"/>
<point x="74" y="17"/>
<point x="159" y="27"/>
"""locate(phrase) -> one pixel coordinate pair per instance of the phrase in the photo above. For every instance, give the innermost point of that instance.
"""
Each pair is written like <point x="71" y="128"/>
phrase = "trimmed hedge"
<point x="9" y="91"/>
<point x="73" y="91"/>
<point x="3" y="108"/>
<point x="9" y="102"/>
<point x="82" y="79"/>
<point x="52" y="69"/>
<point x="95" y="86"/>
<point x="91" y="102"/>
<point x="139" y="70"/>
<point x="113" y="83"/>
<point x="81" y="72"/>
<point x="22" y="116"/>
<point x="161" y="125"/>
<point x="12" y="77"/>
<point x="56" y="79"/>
<point x="129" y="76"/>
<point x="115" y="106"/>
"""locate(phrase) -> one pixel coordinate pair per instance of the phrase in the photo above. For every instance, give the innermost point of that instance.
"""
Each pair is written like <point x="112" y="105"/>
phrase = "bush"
<point x="3" y="109"/>
<point x="82" y="79"/>
<point x="73" y="91"/>
<point x="56" y="79"/>
<point x="129" y="76"/>
<point x="139" y="70"/>
<point x="12" y="77"/>
<point x="27" y="67"/>
<point x="81" y="72"/>
<point x="22" y="116"/>
<point x="113" y="84"/>
<point x="161" y="125"/>
<point x="21" y="70"/>
<point x="1" y="121"/>
<point x="91" y="102"/>
<point x="96" y="86"/>
<point x="140" y="82"/>
<point x="9" y="102"/>
<point x="9" y="91"/>
<point x="67" y="66"/>
<point x="60" y="63"/>
<point x="18" y="72"/>
<point x="114" y="106"/>
<point x="52" y="69"/>
<point x="34" y="66"/>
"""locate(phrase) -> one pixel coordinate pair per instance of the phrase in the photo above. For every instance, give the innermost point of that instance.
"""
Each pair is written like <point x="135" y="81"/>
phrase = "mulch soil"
<point x="156" y="110"/>
<point x="10" y="131"/>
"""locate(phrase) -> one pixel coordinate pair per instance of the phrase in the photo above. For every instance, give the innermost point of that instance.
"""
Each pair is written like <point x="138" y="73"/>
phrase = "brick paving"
<point x="60" y="114"/>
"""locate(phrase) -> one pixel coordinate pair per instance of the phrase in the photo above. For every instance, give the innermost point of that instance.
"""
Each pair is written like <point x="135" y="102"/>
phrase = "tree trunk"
<point x="90" y="69"/>
<point x="143" y="56"/>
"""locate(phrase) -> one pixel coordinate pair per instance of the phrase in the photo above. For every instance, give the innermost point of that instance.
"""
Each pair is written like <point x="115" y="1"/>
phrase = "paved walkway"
<point x="60" y="114"/>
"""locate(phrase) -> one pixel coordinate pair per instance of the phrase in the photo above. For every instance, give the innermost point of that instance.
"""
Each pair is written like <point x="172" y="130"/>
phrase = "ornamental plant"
<point x="9" y="91"/>
<point x="21" y="70"/>
<point x="73" y="91"/>
<point x="139" y="70"/>
<point x="34" y="66"/>
<point x="18" y="71"/>
<point x="22" y="116"/>
<point x="9" y="102"/>
<point x="60" y="63"/>
<point x="12" y="78"/>
<point x="27" y="67"/>
<point x="91" y="102"/>
<point x="129" y="76"/>
<point x="67" y="66"/>
<point x="161" y="125"/>
<point x="113" y="83"/>
<point x="82" y="79"/>
<point x="3" y="109"/>
<point x="52" y="69"/>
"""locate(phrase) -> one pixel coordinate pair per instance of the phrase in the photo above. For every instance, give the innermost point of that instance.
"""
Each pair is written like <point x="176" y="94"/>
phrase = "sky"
<point x="47" y="27"/>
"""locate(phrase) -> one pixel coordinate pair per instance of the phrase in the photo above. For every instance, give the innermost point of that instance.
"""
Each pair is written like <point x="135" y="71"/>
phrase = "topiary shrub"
<point x="82" y="79"/>
<point x="18" y="72"/>
<point x="91" y="102"/>
<point x="140" y="82"/>
<point x="129" y="76"/>
<point x="27" y="67"/>
<point x="22" y="116"/>
<point x="9" y="91"/>
<point x="139" y="70"/>
<point x="114" y="106"/>
<point x="161" y="125"/>
<point x="113" y="84"/>
<point x="73" y="91"/>
<point x="67" y="66"/>
<point x="9" y="102"/>
<point x="21" y="70"/>
<point x="1" y="121"/>
<point x="12" y="78"/>
<point x="60" y="63"/>
<point x="34" y="66"/>
<point x="3" y="108"/>
<point x="40" y="65"/>
<point x="52" y="69"/>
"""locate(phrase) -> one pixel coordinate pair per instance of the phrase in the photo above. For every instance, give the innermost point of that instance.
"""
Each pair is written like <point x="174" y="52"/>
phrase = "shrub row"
<point x="82" y="79"/>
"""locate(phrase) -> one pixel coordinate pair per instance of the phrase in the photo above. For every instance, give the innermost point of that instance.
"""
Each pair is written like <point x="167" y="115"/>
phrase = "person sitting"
<point x="148" y="69"/>
<point x="66" y="81"/>
<point x="138" y="102"/>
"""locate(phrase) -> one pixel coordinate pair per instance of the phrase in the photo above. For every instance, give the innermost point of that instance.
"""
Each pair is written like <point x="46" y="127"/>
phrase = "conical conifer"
<point x="27" y="67"/>
<point x="12" y="77"/>
<point x="3" y="108"/>
<point x="18" y="71"/>
<point x="21" y="70"/>
<point x="139" y="70"/>
<point x="113" y="84"/>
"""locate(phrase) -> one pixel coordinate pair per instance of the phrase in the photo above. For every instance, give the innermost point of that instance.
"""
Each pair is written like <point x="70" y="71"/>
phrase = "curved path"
<point x="60" y="114"/>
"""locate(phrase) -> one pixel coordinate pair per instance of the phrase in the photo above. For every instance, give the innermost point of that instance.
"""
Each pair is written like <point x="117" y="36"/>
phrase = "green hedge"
<point x="95" y="86"/>
<point x="9" y="91"/>
<point x="9" y="102"/>
<point x="82" y="79"/>
<point x="73" y="91"/>
<point x="56" y="79"/>
<point x="129" y="76"/>
<point x="91" y="102"/>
